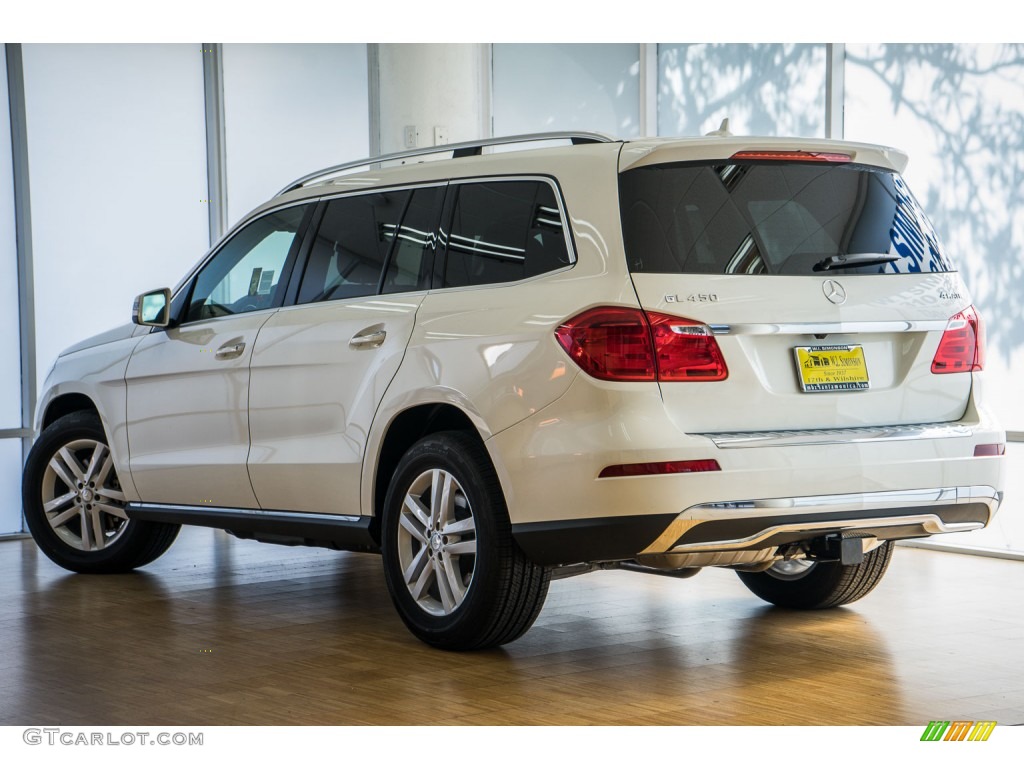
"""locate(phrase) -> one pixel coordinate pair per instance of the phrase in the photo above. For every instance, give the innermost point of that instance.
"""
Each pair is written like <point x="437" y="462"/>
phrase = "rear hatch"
<point x="818" y="274"/>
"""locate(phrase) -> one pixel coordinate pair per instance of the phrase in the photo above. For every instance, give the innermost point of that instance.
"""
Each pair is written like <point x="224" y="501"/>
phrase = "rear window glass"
<point x="776" y="218"/>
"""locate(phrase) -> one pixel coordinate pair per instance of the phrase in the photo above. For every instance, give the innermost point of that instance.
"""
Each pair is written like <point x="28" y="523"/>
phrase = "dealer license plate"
<point x="832" y="368"/>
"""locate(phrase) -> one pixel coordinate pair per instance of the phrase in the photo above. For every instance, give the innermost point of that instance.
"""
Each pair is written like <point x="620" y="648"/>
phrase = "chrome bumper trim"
<point x="778" y="438"/>
<point x="916" y="502"/>
<point x="802" y="329"/>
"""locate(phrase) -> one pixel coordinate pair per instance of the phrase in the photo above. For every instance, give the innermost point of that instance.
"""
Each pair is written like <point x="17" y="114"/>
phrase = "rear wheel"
<point x="456" y="576"/>
<point x="74" y="505"/>
<point x="808" y="584"/>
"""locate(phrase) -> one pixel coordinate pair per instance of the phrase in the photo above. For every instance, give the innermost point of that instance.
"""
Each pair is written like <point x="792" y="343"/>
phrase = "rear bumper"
<point x="755" y="525"/>
<point x="773" y="489"/>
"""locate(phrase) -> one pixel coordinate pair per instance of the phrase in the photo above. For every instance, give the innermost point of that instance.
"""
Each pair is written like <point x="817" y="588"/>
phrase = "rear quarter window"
<point x="503" y="231"/>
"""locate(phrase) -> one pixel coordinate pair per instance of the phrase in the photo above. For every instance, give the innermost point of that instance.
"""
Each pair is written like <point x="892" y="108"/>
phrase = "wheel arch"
<point x="405" y="430"/>
<point x="62" y="405"/>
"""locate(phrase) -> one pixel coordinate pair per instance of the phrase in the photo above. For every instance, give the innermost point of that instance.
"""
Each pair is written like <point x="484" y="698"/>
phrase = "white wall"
<point x="575" y="86"/>
<point x="117" y="149"/>
<point x="290" y="110"/>
<point x="433" y="85"/>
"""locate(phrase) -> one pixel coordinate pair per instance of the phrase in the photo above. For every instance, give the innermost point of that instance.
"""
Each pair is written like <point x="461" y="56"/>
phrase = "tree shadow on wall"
<point x="969" y="99"/>
<point x="763" y="88"/>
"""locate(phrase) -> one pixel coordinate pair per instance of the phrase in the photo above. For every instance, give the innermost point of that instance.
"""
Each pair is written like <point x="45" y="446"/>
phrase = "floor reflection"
<point x="220" y="631"/>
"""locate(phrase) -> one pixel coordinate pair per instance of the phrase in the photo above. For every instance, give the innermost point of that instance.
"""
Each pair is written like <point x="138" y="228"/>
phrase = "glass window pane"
<point x="10" y="355"/>
<point x="575" y="86"/>
<point x="245" y="275"/>
<point x="412" y="258"/>
<point x="504" y="231"/>
<point x="765" y="89"/>
<point x="350" y="247"/>
<point x="774" y="218"/>
<point x="10" y="486"/>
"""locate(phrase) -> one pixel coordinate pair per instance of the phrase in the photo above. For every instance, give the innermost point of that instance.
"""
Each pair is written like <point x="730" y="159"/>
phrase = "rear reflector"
<point x="628" y="344"/>
<point x="660" y="468"/>
<point x="796" y="155"/>
<point x="990" y="449"/>
<point x="962" y="346"/>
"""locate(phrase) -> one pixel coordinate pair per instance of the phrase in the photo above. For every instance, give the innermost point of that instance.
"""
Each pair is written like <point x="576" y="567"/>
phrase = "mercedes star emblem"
<point x="833" y="291"/>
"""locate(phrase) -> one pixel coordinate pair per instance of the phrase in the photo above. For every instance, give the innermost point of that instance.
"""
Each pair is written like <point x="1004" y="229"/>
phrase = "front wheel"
<point x="456" y="576"/>
<point x="74" y="505"/>
<point x="808" y="584"/>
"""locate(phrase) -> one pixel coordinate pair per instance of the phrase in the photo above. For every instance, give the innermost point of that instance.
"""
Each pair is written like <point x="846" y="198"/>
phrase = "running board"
<point x="345" y="532"/>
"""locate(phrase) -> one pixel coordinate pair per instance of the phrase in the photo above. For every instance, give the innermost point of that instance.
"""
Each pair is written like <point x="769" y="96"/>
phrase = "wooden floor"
<point x="221" y="631"/>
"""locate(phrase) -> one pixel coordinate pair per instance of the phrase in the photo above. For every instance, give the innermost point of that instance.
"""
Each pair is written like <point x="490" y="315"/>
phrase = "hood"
<point x="115" y="334"/>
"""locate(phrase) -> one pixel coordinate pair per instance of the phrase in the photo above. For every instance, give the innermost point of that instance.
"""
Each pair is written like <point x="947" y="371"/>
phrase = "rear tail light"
<point x="660" y="468"/>
<point x="610" y="343"/>
<point x="962" y="346"/>
<point x="626" y="344"/>
<point x="687" y="350"/>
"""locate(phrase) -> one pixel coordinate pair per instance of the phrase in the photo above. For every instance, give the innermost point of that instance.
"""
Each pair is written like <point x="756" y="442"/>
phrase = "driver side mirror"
<point x="153" y="308"/>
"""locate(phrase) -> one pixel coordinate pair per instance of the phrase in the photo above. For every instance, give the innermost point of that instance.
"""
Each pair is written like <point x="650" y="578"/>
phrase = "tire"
<point x="806" y="584"/>
<point x="445" y="515"/>
<point x="74" y="506"/>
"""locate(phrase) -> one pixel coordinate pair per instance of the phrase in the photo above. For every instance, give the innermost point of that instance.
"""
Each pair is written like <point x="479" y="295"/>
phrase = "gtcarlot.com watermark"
<point x="54" y="737"/>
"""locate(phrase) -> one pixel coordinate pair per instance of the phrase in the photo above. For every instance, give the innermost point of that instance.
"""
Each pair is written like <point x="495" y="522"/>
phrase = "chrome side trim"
<point x="915" y="501"/>
<point x="254" y="514"/>
<point x="785" y="437"/>
<point x="798" y="329"/>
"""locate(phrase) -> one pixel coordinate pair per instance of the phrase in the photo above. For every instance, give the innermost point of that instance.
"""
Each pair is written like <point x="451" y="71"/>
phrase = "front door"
<point x="188" y="386"/>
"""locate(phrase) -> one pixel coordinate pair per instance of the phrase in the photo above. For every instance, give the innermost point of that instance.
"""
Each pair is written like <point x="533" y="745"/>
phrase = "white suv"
<point x="502" y="368"/>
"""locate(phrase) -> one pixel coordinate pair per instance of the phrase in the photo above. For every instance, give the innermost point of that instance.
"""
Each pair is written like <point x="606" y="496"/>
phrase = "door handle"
<point x="230" y="350"/>
<point x="364" y="340"/>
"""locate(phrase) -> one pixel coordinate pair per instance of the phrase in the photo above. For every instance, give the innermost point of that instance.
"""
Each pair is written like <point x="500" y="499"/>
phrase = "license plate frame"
<point x="839" y="368"/>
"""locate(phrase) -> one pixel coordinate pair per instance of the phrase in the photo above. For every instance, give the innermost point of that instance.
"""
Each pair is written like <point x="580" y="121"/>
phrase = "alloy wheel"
<point x="437" y="542"/>
<point x="82" y="499"/>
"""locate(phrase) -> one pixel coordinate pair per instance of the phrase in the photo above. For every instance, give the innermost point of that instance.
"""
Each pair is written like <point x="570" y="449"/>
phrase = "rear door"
<point x="320" y="367"/>
<point x="822" y="280"/>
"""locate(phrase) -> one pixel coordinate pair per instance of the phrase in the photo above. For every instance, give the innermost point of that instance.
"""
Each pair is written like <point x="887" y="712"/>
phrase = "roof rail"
<point x="462" y="149"/>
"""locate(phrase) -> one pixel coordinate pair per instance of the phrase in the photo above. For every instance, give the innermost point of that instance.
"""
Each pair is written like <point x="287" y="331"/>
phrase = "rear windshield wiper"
<point x="854" y="260"/>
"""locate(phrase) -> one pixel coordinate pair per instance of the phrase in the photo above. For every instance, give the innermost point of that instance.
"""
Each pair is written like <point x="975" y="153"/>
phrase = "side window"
<point x="245" y="274"/>
<point x="411" y="259"/>
<point x="504" y="231"/>
<point x="350" y="247"/>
